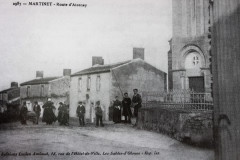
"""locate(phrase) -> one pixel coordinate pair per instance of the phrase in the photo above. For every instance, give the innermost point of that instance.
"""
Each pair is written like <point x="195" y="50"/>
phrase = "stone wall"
<point x="195" y="127"/>
<point x="59" y="87"/>
<point x="34" y="91"/>
<point x="137" y="74"/>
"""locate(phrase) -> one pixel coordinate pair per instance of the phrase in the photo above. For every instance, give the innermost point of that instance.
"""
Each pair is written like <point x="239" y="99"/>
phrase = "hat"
<point x="135" y="89"/>
<point x="98" y="102"/>
<point x="49" y="99"/>
<point x="80" y="102"/>
<point x="61" y="103"/>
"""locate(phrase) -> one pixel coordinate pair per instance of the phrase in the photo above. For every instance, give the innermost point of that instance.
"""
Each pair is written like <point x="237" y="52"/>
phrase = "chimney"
<point x="138" y="53"/>
<point x="14" y="85"/>
<point x="97" y="60"/>
<point x="39" y="74"/>
<point x="66" y="72"/>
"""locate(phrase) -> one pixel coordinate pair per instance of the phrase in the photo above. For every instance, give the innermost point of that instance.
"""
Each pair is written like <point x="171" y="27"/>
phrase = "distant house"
<point x="103" y="82"/>
<point x="40" y="89"/>
<point x="10" y="98"/>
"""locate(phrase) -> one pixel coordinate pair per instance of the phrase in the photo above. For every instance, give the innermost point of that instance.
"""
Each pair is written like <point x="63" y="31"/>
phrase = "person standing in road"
<point x="81" y="112"/>
<point x="48" y="115"/>
<point x="60" y="113"/>
<point x="127" y="113"/>
<point x="23" y="114"/>
<point x="65" y="115"/>
<point x="99" y="114"/>
<point x="117" y="110"/>
<point x="136" y="103"/>
<point x="37" y="110"/>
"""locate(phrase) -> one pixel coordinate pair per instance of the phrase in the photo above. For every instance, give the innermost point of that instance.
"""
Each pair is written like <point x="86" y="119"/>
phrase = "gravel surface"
<point x="113" y="141"/>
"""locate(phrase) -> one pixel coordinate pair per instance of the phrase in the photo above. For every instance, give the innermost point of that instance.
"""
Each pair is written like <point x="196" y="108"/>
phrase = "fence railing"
<point x="178" y="99"/>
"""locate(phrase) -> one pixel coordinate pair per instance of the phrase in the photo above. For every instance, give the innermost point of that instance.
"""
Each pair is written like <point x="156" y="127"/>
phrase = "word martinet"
<point x="49" y="4"/>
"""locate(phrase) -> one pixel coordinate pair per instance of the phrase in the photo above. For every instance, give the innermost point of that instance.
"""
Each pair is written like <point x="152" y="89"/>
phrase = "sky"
<point x="51" y="38"/>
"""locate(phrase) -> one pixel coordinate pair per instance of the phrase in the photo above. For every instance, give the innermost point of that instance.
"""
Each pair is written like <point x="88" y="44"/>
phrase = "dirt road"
<point x="110" y="142"/>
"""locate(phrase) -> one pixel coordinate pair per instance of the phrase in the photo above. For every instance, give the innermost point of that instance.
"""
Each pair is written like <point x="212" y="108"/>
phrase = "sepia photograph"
<point x="121" y="80"/>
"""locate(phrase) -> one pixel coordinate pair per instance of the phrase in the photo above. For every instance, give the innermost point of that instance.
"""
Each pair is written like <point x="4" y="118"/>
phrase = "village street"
<point x="92" y="143"/>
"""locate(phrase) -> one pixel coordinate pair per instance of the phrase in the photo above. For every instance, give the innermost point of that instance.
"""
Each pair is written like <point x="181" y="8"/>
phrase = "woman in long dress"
<point x="48" y="114"/>
<point x="117" y="110"/>
<point x="23" y="114"/>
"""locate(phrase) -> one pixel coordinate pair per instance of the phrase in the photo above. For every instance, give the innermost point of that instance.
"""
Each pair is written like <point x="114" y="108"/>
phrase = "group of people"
<point x="98" y="112"/>
<point x="124" y="107"/>
<point x="48" y="113"/>
<point x="119" y="108"/>
<point x="24" y="113"/>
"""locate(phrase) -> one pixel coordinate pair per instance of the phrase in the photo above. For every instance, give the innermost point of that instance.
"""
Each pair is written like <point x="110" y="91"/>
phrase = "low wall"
<point x="193" y="126"/>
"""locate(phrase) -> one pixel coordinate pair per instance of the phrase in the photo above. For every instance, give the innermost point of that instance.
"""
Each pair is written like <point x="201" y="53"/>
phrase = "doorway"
<point x="196" y="84"/>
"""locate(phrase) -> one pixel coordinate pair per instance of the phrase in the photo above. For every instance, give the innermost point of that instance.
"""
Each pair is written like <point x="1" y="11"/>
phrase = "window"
<point x="42" y="91"/>
<point x="88" y="83"/>
<point x="195" y="60"/>
<point x="28" y="91"/>
<point x="98" y="83"/>
<point x="79" y="84"/>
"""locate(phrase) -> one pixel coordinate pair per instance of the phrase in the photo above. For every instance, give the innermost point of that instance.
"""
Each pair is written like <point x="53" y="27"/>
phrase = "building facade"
<point x="104" y="82"/>
<point x="10" y="98"/>
<point x="190" y="57"/>
<point x="42" y="88"/>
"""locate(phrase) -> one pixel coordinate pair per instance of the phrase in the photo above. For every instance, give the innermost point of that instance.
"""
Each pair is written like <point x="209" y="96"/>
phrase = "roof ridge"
<point x="43" y="80"/>
<point x="100" y="68"/>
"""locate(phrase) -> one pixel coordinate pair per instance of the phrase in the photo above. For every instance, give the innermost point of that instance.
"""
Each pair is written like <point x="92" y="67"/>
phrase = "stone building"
<point x="104" y="82"/>
<point x="10" y="98"/>
<point x="42" y="88"/>
<point x="190" y="58"/>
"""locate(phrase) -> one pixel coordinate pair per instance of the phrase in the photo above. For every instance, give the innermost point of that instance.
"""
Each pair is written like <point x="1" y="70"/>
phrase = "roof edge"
<point x="96" y="72"/>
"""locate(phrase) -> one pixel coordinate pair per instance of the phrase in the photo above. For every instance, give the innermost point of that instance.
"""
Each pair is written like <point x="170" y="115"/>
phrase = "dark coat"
<point x="126" y="103"/>
<point x="98" y="111"/>
<point x="117" y="111"/>
<point x="23" y="114"/>
<point x="60" y="113"/>
<point x="65" y="115"/>
<point x="137" y="99"/>
<point x="48" y="115"/>
<point x="81" y="110"/>
<point x="37" y="110"/>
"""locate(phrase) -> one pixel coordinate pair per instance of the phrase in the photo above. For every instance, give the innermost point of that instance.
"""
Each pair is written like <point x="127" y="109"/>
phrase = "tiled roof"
<point x="6" y="90"/>
<point x="39" y="81"/>
<point x="99" y="68"/>
<point x="9" y="89"/>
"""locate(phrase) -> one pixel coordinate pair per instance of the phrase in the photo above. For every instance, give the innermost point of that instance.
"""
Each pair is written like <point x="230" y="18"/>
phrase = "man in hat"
<point x="126" y="103"/>
<point x="37" y="110"/>
<point x="81" y="112"/>
<point x="136" y="103"/>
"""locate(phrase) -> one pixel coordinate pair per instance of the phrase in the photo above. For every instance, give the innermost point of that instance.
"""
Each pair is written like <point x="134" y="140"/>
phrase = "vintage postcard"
<point x="108" y="79"/>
